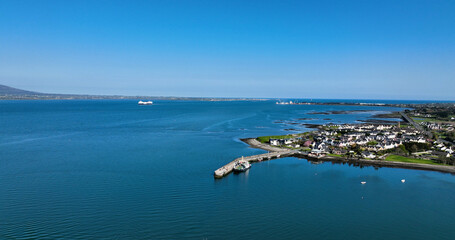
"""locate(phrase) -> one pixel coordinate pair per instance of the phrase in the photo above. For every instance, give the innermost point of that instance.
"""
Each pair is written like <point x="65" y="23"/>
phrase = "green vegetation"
<point x="416" y="147"/>
<point x="265" y="139"/>
<point x="396" y="158"/>
<point x="330" y="127"/>
<point x="423" y="119"/>
<point x="372" y="143"/>
<point x="334" y="155"/>
<point x="450" y="136"/>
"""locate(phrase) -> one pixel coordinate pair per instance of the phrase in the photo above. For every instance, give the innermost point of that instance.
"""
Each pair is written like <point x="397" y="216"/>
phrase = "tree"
<point x="372" y="143"/>
<point x="443" y="114"/>
<point x="416" y="147"/>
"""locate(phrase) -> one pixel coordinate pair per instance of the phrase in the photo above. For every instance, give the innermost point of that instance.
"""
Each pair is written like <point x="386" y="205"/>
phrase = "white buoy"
<point x="363" y="182"/>
<point x="403" y="180"/>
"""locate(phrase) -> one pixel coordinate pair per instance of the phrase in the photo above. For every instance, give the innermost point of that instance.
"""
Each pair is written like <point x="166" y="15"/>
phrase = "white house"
<point x="274" y="142"/>
<point x="368" y="155"/>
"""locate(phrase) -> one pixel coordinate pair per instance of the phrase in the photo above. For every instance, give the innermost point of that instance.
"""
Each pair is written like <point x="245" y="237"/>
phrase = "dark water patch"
<point x="290" y="129"/>
<point x="306" y="119"/>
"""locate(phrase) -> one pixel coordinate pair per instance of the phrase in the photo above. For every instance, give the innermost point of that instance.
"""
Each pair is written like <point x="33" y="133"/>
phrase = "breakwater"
<point x="274" y="153"/>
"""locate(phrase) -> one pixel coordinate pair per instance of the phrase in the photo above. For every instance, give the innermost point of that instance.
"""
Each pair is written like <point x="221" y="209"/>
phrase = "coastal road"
<point x="417" y="126"/>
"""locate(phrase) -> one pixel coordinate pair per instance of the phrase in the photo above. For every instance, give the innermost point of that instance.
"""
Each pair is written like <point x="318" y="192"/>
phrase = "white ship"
<point x="241" y="166"/>
<point x="145" y="103"/>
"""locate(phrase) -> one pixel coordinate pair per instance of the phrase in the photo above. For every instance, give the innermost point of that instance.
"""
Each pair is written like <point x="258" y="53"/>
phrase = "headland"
<point x="421" y="141"/>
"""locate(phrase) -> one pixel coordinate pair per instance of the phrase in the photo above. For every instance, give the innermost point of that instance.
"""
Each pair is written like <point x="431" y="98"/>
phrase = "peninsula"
<point x="424" y="141"/>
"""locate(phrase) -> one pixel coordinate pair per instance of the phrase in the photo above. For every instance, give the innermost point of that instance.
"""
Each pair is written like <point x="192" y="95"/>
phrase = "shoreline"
<point x="252" y="142"/>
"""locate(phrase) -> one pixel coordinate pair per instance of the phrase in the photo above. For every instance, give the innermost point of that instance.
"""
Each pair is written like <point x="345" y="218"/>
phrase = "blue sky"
<point x="278" y="49"/>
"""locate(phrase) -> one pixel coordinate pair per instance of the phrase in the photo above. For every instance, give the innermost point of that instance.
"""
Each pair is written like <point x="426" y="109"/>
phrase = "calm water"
<point x="116" y="170"/>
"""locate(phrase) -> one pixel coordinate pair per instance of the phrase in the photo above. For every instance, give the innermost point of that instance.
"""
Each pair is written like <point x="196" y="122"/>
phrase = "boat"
<point x="241" y="166"/>
<point x="363" y="182"/>
<point x="145" y="103"/>
<point x="403" y="180"/>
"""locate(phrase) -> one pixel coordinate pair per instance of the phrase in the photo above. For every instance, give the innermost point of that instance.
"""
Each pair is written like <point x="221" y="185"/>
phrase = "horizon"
<point x="231" y="49"/>
<point x="262" y="98"/>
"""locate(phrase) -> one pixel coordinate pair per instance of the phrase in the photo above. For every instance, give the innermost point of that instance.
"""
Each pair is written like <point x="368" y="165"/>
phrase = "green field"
<point x="423" y="119"/>
<point x="265" y="139"/>
<point x="396" y="158"/>
<point x="334" y="155"/>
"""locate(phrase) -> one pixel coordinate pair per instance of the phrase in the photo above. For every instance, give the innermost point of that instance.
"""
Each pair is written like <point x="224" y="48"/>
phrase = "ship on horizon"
<point x="145" y="103"/>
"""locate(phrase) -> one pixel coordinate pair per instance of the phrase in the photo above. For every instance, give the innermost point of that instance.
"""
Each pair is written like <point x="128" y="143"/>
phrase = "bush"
<point x="416" y="147"/>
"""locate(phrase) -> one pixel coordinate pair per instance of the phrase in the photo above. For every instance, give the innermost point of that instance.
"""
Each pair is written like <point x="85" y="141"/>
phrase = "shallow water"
<point x="116" y="170"/>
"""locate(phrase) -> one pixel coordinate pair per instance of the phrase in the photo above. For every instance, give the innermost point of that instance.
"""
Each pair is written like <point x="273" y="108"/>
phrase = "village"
<point x="369" y="141"/>
<point x="418" y="140"/>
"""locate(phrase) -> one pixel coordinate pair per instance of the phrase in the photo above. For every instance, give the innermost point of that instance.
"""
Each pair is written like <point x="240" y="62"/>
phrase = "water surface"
<point x="116" y="170"/>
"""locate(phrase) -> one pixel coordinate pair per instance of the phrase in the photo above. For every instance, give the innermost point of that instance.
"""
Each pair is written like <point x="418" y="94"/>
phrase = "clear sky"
<point x="362" y="49"/>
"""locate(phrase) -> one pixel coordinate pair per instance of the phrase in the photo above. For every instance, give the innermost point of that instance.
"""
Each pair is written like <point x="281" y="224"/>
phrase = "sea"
<point x="111" y="169"/>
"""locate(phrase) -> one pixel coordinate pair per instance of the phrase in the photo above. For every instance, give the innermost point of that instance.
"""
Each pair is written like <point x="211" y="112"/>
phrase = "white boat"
<point x="403" y="180"/>
<point x="145" y="103"/>
<point x="363" y="182"/>
<point x="241" y="166"/>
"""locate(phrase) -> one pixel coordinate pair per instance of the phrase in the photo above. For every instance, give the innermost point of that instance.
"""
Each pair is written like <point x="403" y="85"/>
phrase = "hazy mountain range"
<point x="11" y="93"/>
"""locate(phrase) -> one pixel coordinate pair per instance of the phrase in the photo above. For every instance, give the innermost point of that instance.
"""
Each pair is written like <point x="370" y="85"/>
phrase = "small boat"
<point x="241" y="166"/>
<point x="145" y="103"/>
<point x="403" y="180"/>
<point x="363" y="182"/>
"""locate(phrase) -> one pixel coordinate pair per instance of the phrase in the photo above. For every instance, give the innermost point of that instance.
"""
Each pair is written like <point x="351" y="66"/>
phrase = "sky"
<point x="364" y="49"/>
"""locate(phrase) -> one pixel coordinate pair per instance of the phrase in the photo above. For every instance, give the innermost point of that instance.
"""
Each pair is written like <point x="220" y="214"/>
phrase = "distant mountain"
<point x="10" y="93"/>
<point x="5" y="90"/>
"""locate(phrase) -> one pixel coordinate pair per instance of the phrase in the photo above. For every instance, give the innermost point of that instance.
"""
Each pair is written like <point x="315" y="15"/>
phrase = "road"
<point x="417" y="126"/>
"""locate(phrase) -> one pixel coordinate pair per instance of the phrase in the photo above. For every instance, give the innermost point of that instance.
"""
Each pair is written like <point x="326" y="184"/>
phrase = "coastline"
<point x="252" y="142"/>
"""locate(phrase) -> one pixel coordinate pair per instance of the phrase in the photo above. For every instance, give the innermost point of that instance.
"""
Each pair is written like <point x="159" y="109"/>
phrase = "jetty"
<point x="274" y="153"/>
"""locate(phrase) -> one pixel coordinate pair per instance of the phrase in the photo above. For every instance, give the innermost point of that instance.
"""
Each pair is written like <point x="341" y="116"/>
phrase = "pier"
<point x="274" y="153"/>
<point x="226" y="169"/>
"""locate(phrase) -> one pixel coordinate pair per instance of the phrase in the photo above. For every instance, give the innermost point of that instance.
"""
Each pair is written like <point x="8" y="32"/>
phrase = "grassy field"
<point x="396" y="158"/>
<point x="334" y="155"/>
<point x="423" y="119"/>
<point x="265" y="139"/>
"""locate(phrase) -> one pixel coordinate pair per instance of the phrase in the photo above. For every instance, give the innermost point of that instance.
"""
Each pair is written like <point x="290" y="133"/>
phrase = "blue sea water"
<point x="116" y="170"/>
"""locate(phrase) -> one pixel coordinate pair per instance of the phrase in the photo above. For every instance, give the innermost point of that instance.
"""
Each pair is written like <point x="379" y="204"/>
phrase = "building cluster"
<point x="446" y="150"/>
<point x="418" y="114"/>
<point x="437" y="126"/>
<point x="341" y="139"/>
